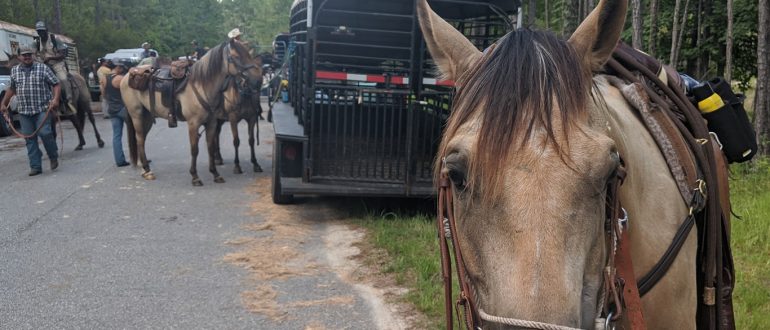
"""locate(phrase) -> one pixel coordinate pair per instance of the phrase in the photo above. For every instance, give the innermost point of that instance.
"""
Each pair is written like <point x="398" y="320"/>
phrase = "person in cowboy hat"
<point x="146" y="52"/>
<point x="235" y="34"/>
<point x="54" y="54"/>
<point x="38" y="90"/>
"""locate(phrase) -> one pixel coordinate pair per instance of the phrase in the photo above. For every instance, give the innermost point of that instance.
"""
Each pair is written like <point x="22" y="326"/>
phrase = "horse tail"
<point x="132" y="148"/>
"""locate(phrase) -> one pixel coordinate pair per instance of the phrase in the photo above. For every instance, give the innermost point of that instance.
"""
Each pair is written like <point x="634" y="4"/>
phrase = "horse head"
<point x="244" y="67"/>
<point x="528" y="169"/>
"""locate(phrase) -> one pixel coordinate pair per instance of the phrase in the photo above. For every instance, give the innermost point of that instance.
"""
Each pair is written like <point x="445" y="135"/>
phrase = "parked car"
<point x="131" y="56"/>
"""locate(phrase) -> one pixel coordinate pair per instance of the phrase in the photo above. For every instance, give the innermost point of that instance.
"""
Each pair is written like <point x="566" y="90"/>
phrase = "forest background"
<point x="702" y="38"/>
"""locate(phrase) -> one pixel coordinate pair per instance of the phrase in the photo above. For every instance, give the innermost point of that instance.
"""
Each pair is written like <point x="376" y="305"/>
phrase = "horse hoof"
<point x="197" y="182"/>
<point x="237" y="170"/>
<point x="219" y="179"/>
<point x="148" y="176"/>
<point x="101" y="144"/>
<point x="79" y="147"/>
<point x="257" y="169"/>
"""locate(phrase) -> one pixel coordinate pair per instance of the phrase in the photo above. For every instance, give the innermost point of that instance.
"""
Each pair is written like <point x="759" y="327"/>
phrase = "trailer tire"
<point x="275" y="187"/>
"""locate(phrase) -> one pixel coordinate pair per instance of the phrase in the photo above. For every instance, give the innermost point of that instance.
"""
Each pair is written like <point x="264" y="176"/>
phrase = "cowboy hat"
<point x="234" y="33"/>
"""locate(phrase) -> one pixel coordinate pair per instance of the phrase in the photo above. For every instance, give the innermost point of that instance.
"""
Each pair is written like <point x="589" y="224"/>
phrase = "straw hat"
<point x="234" y="33"/>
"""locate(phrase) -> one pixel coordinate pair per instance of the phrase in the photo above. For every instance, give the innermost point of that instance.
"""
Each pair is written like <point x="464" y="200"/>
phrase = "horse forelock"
<point x="515" y="90"/>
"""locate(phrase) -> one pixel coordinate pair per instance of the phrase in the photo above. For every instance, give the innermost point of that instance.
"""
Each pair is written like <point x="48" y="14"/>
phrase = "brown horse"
<point x="530" y="217"/>
<point x="241" y="102"/>
<point x="199" y="99"/>
<point x="81" y="100"/>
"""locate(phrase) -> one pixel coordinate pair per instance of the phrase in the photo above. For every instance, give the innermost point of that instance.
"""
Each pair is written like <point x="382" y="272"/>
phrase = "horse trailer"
<point x="365" y="112"/>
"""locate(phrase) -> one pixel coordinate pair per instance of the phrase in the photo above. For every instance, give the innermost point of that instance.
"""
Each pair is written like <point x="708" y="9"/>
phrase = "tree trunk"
<point x="674" y="34"/>
<point x="677" y="44"/>
<point x="636" y="38"/>
<point x="36" y="5"/>
<point x="652" y="46"/>
<point x="570" y="14"/>
<point x="729" y="43"/>
<point x="57" y="16"/>
<point x="532" y="13"/>
<point x="762" y="96"/>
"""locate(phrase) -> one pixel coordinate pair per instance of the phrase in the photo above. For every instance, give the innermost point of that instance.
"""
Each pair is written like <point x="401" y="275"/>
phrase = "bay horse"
<point x="199" y="98"/>
<point x="536" y="134"/>
<point x="241" y="102"/>
<point x="82" y="102"/>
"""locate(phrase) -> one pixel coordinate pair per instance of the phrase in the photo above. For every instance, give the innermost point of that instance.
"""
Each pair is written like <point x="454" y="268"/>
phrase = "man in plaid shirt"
<point x="38" y="91"/>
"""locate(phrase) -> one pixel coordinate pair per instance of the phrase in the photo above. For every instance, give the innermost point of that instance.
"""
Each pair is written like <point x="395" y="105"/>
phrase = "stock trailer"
<point x="365" y="110"/>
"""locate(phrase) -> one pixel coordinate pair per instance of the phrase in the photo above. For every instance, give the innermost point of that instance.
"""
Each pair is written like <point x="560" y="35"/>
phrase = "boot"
<point x="171" y="119"/>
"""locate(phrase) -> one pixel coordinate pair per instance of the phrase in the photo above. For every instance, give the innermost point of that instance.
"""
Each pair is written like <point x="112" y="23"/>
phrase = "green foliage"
<point x="102" y="26"/>
<point x="750" y="196"/>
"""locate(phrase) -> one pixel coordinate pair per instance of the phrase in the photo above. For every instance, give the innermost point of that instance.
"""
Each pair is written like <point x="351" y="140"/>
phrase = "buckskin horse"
<point x="82" y="102"/>
<point x="199" y="98"/>
<point x="537" y="230"/>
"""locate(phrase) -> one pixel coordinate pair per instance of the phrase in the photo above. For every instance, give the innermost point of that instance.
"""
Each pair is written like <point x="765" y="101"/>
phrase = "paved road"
<point x="93" y="246"/>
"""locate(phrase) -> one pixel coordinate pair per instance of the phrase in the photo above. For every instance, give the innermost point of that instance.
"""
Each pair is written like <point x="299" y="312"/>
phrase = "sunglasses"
<point x="26" y="55"/>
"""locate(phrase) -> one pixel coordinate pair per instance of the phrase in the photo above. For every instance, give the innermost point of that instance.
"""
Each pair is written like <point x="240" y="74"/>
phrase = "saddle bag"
<point x="179" y="68"/>
<point x="727" y="119"/>
<point x="139" y="78"/>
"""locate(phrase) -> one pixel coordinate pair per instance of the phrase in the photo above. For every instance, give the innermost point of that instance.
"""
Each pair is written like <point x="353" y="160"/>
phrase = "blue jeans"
<point x="117" y="136"/>
<point x="29" y="123"/>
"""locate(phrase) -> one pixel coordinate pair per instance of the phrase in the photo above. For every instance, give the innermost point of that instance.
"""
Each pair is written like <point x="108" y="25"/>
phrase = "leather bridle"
<point x="618" y="294"/>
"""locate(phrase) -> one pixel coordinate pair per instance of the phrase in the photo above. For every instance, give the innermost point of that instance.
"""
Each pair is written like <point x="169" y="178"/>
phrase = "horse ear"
<point x="452" y="51"/>
<point x="596" y="38"/>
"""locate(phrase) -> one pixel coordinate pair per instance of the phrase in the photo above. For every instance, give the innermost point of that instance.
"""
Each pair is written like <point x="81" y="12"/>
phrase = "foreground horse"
<point x="82" y="102"/>
<point x="527" y="155"/>
<point x="199" y="98"/>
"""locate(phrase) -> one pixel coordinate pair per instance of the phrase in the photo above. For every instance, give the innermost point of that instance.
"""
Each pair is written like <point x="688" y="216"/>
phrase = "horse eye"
<point x="458" y="179"/>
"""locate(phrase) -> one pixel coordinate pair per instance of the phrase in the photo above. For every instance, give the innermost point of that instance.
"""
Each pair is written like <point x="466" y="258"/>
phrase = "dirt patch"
<point x="275" y="253"/>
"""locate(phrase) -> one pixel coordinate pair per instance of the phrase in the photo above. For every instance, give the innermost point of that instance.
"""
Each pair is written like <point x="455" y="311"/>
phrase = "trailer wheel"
<point x="275" y="187"/>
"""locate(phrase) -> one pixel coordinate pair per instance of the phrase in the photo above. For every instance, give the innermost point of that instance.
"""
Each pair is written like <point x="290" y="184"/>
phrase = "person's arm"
<point x="9" y="93"/>
<point x="56" y="95"/>
<point x="60" y="55"/>
<point x="116" y="80"/>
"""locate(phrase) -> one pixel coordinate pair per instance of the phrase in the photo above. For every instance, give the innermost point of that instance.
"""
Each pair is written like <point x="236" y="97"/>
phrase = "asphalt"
<point x="94" y="246"/>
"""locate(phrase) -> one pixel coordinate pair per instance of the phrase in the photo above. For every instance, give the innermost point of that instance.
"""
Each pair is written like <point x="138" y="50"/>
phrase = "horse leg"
<point x="210" y="135"/>
<point x="252" y="125"/>
<point x="79" y="129"/>
<point x="192" y="131"/>
<point x="141" y="129"/>
<point x="90" y="115"/>
<point x="236" y="144"/>
<point x="218" y="153"/>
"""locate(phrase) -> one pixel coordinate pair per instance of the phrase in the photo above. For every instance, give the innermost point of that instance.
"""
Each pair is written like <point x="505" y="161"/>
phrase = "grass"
<point x="409" y="239"/>
<point x="750" y="196"/>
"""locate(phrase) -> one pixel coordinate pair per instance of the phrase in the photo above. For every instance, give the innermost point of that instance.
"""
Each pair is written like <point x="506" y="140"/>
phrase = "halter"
<point x="619" y="280"/>
<point x="240" y="80"/>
